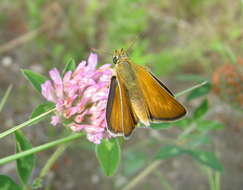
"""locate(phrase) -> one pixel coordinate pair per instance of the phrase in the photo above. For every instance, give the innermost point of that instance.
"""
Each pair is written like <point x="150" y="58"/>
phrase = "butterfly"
<point x="137" y="96"/>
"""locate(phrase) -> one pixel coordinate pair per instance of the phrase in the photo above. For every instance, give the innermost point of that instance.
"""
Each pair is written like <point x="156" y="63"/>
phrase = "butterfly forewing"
<point x="160" y="101"/>
<point x="119" y="115"/>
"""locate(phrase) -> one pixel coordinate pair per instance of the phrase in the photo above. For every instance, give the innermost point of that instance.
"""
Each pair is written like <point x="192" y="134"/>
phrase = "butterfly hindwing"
<point x="119" y="115"/>
<point x="113" y="108"/>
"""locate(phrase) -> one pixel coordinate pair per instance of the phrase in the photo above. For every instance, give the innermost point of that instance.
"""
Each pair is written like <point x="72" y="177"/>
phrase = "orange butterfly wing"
<point x="160" y="101"/>
<point x="119" y="115"/>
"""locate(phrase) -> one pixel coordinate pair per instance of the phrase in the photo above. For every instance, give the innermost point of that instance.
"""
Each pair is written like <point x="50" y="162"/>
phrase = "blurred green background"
<point x="182" y="42"/>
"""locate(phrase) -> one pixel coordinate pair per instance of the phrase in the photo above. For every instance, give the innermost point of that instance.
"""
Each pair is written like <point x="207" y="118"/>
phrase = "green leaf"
<point x="209" y="125"/>
<point x="207" y="158"/>
<point x="25" y="164"/>
<point x="160" y="125"/>
<point x="40" y="109"/>
<point x="70" y="66"/>
<point x="35" y="79"/>
<point x="198" y="92"/>
<point x="6" y="183"/>
<point x="108" y="153"/>
<point x="201" y="109"/>
<point x="169" y="151"/>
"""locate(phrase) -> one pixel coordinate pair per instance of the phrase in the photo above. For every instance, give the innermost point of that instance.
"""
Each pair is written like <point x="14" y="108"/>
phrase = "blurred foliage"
<point x="163" y="34"/>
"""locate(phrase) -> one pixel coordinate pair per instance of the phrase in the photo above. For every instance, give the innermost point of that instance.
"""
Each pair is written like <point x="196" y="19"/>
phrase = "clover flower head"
<point x="80" y="97"/>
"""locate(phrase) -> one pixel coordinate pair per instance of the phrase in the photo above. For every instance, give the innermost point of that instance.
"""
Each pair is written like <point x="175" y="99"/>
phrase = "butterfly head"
<point x="119" y="55"/>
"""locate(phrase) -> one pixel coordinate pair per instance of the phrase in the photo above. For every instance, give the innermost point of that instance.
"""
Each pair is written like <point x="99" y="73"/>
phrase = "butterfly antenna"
<point x="132" y="43"/>
<point x="98" y="51"/>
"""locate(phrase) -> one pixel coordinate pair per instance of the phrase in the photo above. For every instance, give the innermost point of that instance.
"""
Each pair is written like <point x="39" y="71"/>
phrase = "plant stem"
<point x="47" y="167"/>
<point x="210" y="179"/>
<point x="186" y="132"/>
<point x="53" y="159"/>
<point x="164" y="183"/>
<point x="217" y="180"/>
<point x="190" y="89"/>
<point x="142" y="175"/>
<point x="5" y="97"/>
<point x="40" y="148"/>
<point x="27" y="123"/>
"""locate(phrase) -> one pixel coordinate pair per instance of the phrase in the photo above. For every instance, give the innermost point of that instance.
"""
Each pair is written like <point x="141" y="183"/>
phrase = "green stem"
<point x="186" y="132"/>
<point x="210" y="179"/>
<point x="164" y="183"/>
<point x="217" y="180"/>
<point x="5" y="97"/>
<point x="142" y="175"/>
<point x="190" y="89"/>
<point x="45" y="170"/>
<point x="25" y="124"/>
<point x="53" y="159"/>
<point x="40" y="148"/>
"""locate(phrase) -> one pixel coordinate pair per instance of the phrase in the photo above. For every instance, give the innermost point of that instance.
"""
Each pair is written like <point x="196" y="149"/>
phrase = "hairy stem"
<point x="25" y="124"/>
<point x="142" y="175"/>
<point x="40" y="148"/>
<point x="59" y="151"/>
<point x="190" y="89"/>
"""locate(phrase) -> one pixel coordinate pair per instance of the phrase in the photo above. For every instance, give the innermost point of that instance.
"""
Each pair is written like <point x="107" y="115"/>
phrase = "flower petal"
<point x="56" y="77"/>
<point x="47" y="91"/>
<point x="55" y="120"/>
<point x="92" y="61"/>
<point x="95" y="138"/>
<point x="76" y="127"/>
<point x="67" y="76"/>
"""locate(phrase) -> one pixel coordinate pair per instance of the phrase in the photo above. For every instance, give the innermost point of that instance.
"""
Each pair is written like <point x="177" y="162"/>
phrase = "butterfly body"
<point x="126" y="75"/>
<point x="137" y="96"/>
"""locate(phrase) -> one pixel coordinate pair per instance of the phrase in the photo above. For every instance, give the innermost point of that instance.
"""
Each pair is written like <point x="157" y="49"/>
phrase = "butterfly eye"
<point x="115" y="59"/>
